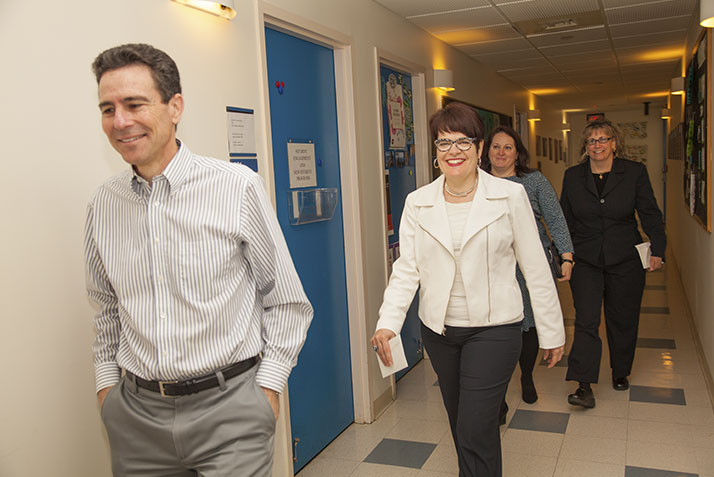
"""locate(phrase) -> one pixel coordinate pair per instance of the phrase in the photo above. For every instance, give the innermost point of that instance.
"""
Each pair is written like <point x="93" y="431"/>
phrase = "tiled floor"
<point x="662" y="427"/>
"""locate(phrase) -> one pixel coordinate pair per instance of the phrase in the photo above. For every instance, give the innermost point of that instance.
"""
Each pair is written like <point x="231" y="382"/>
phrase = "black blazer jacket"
<point x="607" y="224"/>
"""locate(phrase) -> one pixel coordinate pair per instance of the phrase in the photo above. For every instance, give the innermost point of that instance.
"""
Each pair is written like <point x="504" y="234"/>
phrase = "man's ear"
<point x="176" y="108"/>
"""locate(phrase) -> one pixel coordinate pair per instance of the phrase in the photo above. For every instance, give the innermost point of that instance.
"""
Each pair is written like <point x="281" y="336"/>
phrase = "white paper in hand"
<point x="645" y="253"/>
<point x="399" y="359"/>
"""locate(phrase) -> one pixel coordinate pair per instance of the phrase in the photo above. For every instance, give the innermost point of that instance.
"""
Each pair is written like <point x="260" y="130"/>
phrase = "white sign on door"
<point x="301" y="164"/>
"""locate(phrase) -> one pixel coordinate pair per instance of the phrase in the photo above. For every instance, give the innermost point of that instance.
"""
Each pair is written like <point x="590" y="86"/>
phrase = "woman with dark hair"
<point x="599" y="199"/>
<point x="506" y="156"/>
<point x="460" y="238"/>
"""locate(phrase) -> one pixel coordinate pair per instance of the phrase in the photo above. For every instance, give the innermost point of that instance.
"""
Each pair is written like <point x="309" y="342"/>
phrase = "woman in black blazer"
<point x="599" y="199"/>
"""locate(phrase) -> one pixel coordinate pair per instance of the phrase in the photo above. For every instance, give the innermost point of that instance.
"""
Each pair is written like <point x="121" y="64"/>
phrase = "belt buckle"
<point x="161" y="388"/>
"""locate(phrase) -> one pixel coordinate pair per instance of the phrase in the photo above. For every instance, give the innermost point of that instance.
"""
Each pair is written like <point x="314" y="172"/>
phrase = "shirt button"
<point x="156" y="239"/>
<point x="602" y="201"/>
<point x="165" y="353"/>
<point x="160" y="278"/>
<point x="157" y="203"/>
<point x="163" y="316"/>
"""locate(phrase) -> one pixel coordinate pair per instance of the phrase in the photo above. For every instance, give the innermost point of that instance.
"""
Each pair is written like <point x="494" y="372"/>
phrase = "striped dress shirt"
<point x="191" y="274"/>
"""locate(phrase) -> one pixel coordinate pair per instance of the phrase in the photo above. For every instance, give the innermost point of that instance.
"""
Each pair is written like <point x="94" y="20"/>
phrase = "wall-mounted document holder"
<point x="311" y="205"/>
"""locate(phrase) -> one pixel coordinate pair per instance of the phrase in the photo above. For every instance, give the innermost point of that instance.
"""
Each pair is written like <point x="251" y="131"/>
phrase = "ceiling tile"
<point x="652" y="54"/>
<point x="504" y="62"/>
<point x="681" y="22"/>
<point x="446" y="22"/>
<point x="672" y="38"/>
<point x="485" y="47"/>
<point x="576" y="48"/>
<point x="511" y="56"/>
<point x="474" y="35"/>
<point x="534" y="9"/>
<point x="407" y="8"/>
<point x="570" y="36"/>
<point x="652" y="11"/>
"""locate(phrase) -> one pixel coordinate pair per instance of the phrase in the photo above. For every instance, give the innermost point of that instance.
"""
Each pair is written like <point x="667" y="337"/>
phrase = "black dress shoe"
<point x="620" y="384"/>
<point x="504" y="412"/>
<point x="582" y="397"/>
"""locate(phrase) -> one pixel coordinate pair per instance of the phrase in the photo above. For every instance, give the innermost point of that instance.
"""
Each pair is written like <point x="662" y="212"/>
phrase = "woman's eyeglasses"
<point x="462" y="143"/>
<point x="601" y="140"/>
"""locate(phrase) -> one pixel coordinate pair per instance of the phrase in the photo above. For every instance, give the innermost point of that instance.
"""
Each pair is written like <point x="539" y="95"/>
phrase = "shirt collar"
<point x="175" y="172"/>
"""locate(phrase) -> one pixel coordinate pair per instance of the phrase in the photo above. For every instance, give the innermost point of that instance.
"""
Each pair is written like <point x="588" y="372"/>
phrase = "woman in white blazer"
<point x="460" y="238"/>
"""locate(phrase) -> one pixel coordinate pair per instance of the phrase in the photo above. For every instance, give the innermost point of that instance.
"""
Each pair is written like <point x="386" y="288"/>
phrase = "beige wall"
<point x="55" y="155"/>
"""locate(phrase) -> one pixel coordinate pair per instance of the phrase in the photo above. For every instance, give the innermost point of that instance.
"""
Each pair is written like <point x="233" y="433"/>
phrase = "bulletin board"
<point x="490" y="119"/>
<point x="697" y="117"/>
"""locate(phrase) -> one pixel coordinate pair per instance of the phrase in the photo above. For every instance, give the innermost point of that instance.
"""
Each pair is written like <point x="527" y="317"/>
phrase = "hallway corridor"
<point x="663" y="426"/>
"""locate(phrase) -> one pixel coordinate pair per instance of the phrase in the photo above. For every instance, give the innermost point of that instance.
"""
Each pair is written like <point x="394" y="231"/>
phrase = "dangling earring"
<point x="478" y="164"/>
<point x="436" y="163"/>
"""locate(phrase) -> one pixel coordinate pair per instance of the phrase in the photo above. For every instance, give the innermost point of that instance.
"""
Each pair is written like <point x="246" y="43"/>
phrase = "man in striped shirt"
<point x="197" y="297"/>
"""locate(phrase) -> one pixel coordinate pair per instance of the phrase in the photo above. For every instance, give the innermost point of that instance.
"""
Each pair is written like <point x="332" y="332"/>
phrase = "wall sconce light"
<point x="444" y="80"/>
<point x="666" y="113"/>
<point x="677" y="85"/>
<point x="706" y="13"/>
<point x="534" y="115"/>
<point x="222" y="8"/>
<point x="565" y="127"/>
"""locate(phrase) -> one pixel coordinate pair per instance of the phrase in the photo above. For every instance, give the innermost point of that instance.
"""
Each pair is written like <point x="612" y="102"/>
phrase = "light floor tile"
<point x="433" y="473"/>
<point x="700" y="416"/>
<point x="703" y="437"/>
<point x="548" y="402"/>
<point x="367" y="469"/>
<point x="327" y="467"/>
<point x="645" y="411"/>
<point x="650" y="431"/>
<point x="519" y="465"/>
<point x="430" y="411"/>
<point x="666" y="456"/>
<point x="425" y="431"/>
<point x="351" y="446"/>
<point x="705" y="459"/>
<point x="595" y="426"/>
<point x="443" y="459"/>
<point x="517" y="441"/>
<point x="582" y="468"/>
<point x="604" y="408"/>
<point x="594" y="449"/>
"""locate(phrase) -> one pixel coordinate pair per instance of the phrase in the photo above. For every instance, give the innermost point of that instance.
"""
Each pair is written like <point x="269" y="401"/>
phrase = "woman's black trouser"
<point x="474" y="366"/>
<point x="620" y="287"/>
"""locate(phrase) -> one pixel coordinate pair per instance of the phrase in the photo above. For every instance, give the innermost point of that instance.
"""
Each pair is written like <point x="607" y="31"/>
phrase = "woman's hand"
<point x="566" y="268"/>
<point x="380" y="341"/>
<point x="655" y="263"/>
<point x="553" y="355"/>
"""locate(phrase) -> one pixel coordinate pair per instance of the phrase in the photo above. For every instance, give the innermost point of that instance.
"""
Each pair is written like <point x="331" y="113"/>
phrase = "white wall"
<point x="54" y="156"/>
<point x="691" y="245"/>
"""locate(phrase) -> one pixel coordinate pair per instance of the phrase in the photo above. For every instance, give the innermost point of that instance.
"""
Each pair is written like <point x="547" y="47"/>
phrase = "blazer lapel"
<point x="487" y="206"/>
<point x="588" y="180"/>
<point x="615" y="177"/>
<point x="432" y="216"/>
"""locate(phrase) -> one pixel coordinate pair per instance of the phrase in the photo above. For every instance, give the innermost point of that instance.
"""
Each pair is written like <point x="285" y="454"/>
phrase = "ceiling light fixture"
<point x="677" y="85"/>
<point x="222" y="8"/>
<point x="706" y="13"/>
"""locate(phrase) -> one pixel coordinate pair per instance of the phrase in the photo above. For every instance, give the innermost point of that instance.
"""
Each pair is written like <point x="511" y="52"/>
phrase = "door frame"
<point x="287" y="22"/>
<point x="421" y="143"/>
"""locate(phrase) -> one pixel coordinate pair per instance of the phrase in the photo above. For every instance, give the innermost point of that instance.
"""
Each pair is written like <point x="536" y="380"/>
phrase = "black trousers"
<point x="474" y="366"/>
<point x="620" y="287"/>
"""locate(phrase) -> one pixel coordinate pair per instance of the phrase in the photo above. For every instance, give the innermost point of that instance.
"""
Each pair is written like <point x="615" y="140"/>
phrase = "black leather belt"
<point x="194" y="385"/>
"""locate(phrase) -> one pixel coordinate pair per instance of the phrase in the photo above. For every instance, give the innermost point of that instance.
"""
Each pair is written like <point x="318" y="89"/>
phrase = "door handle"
<point x="296" y="441"/>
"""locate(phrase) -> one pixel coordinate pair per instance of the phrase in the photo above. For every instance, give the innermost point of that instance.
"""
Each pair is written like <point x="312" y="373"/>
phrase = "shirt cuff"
<point x="106" y="374"/>
<point x="272" y="375"/>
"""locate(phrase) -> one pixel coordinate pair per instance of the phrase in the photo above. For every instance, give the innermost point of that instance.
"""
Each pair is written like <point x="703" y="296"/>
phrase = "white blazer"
<point x="500" y="229"/>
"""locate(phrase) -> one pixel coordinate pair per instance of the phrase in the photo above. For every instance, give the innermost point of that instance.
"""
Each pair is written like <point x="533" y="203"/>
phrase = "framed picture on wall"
<point x="544" y="148"/>
<point x="538" y="148"/>
<point x="550" y="148"/>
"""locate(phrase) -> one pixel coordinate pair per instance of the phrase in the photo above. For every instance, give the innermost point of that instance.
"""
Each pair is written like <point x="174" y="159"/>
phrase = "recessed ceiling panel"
<point x="652" y="54"/>
<point x="511" y="56"/>
<point x="474" y="35"/>
<point x="504" y="62"/>
<point x="650" y="12"/>
<point x="534" y="9"/>
<point x="407" y="8"/>
<point x="671" y="38"/>
<point x="445" y="22"/>
<point x="651" y="26"/>
<point x="570" y="36"/>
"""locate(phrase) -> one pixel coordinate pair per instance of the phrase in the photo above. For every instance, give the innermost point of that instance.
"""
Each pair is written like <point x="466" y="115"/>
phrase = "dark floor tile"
<point x="542" y="421"/>
<point x="657" y="395"/>
<point x="656" y="343"/>
<point x="631" y="471"/>
<point x="563" y="363"/>
<point x="655" y="287"/>
<point x="659" y="310"/>
<point x="402" y="453"/>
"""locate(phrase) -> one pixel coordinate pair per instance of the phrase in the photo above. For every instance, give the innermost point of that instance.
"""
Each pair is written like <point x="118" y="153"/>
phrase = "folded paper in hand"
<point x="645" y="253"/>
<point x="399" y="360"/>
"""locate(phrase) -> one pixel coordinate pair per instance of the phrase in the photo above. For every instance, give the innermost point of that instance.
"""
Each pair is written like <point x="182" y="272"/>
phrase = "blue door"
<point x="303" y="110"/>
<point x="399" y="164"/>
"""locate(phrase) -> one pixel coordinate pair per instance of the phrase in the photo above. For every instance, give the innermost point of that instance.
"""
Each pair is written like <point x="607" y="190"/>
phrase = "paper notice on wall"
<point x="241" y="131"/>
<point x="301" y="165"/>
<point x="395" y="111"/>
